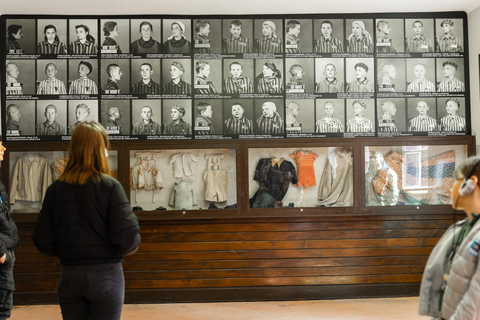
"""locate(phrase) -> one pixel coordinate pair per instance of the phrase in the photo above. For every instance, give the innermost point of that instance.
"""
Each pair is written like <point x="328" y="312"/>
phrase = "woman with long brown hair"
<point x="87" y="222"/>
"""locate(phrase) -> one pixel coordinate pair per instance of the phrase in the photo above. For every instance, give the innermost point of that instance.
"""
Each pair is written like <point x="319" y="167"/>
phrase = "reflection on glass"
<point x="304" y="177"/>
<point x="411" y="175"/>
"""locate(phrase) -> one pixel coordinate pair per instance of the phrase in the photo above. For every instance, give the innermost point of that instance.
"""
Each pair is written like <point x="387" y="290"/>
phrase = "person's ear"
<point x="474" y="179"/>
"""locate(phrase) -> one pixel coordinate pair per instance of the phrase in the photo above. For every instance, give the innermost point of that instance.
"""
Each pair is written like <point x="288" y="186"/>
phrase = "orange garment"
<point x="305" y="169"/>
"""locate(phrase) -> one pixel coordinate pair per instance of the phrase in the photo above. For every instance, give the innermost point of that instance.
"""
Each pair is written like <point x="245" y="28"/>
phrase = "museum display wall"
<point x="267" y="157"/>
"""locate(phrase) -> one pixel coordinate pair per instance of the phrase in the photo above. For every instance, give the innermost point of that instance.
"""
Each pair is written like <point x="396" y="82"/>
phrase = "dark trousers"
<point x="6" y="303"/>
<point x="92" y="292"/>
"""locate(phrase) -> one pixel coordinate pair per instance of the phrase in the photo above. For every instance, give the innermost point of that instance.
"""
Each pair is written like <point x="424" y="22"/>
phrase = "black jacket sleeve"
<point x="123" y="227"/>
<point x="44" y="234"/>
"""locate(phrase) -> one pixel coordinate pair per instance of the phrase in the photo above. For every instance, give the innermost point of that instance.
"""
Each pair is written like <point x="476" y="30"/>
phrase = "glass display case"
<point x="411" y="175"/>
<point x="300" y="177"/>
<point x="31" y="172"/>
<point x="186" y="179"/>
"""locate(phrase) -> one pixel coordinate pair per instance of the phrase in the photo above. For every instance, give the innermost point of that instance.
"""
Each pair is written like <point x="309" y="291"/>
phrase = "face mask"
<point x="106" y="152"/>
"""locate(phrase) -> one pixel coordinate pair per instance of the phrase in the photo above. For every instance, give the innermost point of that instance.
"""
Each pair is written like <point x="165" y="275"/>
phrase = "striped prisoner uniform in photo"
<point x="364" y="45"/>
<point x="51" y="86"/>
<point x="177" y="88"/>
<point x="238" y="126"/>
<point x="449" y="43"/>
<point x="88" y="47"/>
<point x="328" y="125"/>
<point x="83" y="86"/>
<point x="146" y="88"/>
<point x="422" y="123"/>
<point x="273" y="125"/>
<point x="421" y="86"/>
<point x="239" y="45"/>
<point x="451" y="85"/>
<point x="56" y="47"/>
<point x="452" y="123"/>
<point x="418" y="44"/>
<point x="331" y="45"/>
<point x="268" y="45"/>
<point x="238" y="85"/>
<point x="360" y="124"/>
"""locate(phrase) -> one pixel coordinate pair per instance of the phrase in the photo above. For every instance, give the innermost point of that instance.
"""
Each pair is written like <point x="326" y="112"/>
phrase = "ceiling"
<point x="91" y="7"/>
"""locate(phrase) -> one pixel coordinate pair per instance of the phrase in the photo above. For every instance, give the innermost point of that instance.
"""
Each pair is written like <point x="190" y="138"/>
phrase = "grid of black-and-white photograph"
<point x="278" y="76"/>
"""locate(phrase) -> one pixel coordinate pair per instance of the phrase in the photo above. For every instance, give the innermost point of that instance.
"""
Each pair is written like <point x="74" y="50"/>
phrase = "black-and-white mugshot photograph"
<point x="208" y="114"/>
<point x="268" y="76"/>
<point x="115" y="116"/>
<point x="359" y="35"/>
<point x="299" y="77"/>
<point x="269" y="117"/>
<point x="389" y="35"/>
<point x="391" y="115"/>
<point x="177" y="36"/>
<point x="420" y="75"/>
<point x="237" y="35"/>
<point x="145" y="36"/>
<point x="298" y="35"/>
<point x="360" y="115"/>
<point x="360" y="75"/>
<point x="83" y="76"/>
<point x="329" y="75"/>
<point x="52" y="36"/>
<point x="80" y="111"/>
<point x="238" y="117"/>
<point x="176" y="75"/>
<point x="238" y="76"/>
<point x="329" y="115"/>
<point x="146" y="117"/>
<point x="20" y="36"/>
<point x="391" y="75"/>
<point x="451" y="114"/>
<point x="51" y="77"/>
<point x="450" y="75"/>
<point x="329" y="35"/>
<point x="20" y="119"/>
<point x="115" y="35"/>
<point x="207" y="36"/>
<point x="177" y="117"/>
<point x="419" y="35"/>
<point x="20" y="77"/>
<point x="300" y="115"/>
<point x="115" y="76"/>
<point x="449" y="35"/>
<point x="268" y="36"/>
<point x="422" y="115"/>
<point x="208" y="76"/>
<point x="146" y="75"/>
<point x="51" y="117"/>
<point x="83" y="35"/>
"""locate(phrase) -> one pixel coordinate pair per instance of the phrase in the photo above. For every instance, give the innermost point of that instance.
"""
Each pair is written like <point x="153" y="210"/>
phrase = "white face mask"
<point x="106" y="152"/>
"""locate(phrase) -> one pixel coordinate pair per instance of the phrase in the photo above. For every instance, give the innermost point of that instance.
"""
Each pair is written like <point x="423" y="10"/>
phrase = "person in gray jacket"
<point x="451" y="281"/>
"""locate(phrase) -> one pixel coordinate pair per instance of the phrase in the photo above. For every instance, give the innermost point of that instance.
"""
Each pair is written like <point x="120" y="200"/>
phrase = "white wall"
<point x="473" y="35"/>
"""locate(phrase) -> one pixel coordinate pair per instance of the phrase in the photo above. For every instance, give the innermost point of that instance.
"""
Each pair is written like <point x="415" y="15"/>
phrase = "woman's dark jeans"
<point x="92" y="292"/>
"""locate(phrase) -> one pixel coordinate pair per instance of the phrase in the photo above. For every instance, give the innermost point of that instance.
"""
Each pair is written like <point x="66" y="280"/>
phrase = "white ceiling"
<point x="230" y="6"/>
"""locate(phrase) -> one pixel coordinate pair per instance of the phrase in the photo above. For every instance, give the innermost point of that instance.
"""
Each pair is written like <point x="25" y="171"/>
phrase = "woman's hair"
<point x="276" y="73"/>
<point x="108" y="27"/>
<point x="13" y="29"/>
<point x="50" y="26"/>
<point x="87" y="29"/>
<point x="465" y="169"/>
<point x="87" y="156"/>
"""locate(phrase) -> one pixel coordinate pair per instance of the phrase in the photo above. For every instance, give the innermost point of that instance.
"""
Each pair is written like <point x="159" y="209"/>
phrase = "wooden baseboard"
<point x="286" y="293"/>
